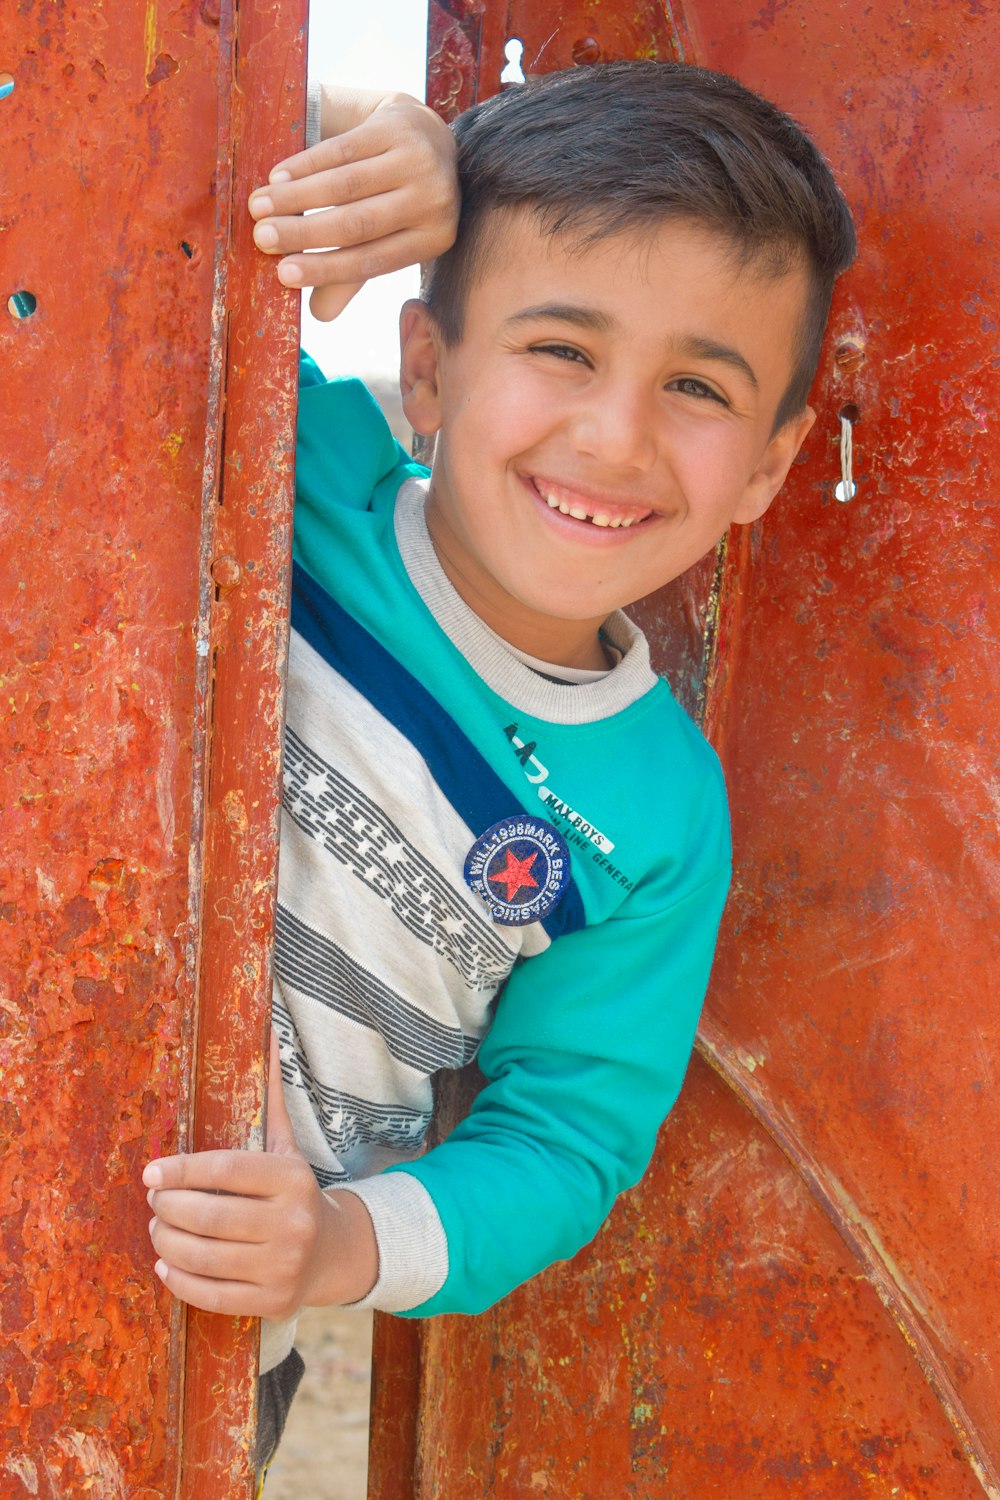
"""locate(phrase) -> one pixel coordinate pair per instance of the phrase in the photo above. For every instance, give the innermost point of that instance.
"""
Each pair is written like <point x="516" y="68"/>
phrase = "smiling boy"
<point x="605" y="416"/>
<point x="502" y="837"/>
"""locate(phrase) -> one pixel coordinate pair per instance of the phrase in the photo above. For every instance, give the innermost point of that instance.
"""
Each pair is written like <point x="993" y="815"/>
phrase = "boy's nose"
<point x="617" y="428"/>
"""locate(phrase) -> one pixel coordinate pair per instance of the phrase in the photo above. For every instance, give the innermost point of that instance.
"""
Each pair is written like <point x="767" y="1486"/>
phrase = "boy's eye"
<point x="560" y="351"/>
<point x="688" y="385"/>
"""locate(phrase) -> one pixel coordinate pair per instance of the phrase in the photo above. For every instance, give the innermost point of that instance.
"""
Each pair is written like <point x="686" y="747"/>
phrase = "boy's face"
<point x="605" y="417"/>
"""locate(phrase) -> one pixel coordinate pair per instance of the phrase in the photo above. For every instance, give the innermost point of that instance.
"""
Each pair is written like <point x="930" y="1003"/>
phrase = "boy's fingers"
<point x="319" y="158"/>
<point x="218" y="1216"/>
<point x="355" y="145"/>
<point x="242" y="1172"/>
<point x="320" y="231"/>
<point x="326" y="189"/>
<point x="328" y="302"/>
<point x="354" y="265"/>
<point x="387" y="128"/>
<point x="355" y="224"/>
<point x="223" y="1260"/>
<point x="234" y="1298"/>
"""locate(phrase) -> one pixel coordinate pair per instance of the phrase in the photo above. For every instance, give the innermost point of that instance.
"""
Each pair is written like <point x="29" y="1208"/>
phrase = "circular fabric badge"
<point x="520" y="868"/>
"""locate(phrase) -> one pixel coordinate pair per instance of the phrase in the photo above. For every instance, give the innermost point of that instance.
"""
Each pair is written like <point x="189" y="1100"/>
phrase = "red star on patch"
<point x="517" y="874"/>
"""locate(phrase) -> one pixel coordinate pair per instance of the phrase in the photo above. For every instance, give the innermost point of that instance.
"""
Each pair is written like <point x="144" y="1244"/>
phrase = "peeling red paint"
<point x="108" y="504"/>
<point x="801" y="1297"/>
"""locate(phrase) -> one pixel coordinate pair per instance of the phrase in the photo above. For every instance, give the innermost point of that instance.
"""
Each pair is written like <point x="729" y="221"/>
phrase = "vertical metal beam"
<point x="246" y="549"/>
<point x="115" y="293"/>
<point x="245" y="583"/>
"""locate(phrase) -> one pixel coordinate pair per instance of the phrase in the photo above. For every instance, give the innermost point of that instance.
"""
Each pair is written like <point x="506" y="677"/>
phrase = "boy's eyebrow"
<point x="694" y="346"/>
<point x="564" y="312"/>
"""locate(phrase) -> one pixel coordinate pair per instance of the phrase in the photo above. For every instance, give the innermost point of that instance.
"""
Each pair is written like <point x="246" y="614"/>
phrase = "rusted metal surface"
<point x="716" y="1340"/>
<point x="467" y="40"/>
<point x="802" y="1297"/>
<point x="114" y="237"/>
<point x="245" y="573"/>
<point x="867" y="896"/>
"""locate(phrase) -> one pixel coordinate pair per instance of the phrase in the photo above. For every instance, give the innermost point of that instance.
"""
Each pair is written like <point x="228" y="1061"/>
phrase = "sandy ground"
<point x="324" y="1453"/>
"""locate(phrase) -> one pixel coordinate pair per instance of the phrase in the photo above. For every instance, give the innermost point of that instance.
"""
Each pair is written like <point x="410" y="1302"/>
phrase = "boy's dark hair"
<point x="623" y="146"/>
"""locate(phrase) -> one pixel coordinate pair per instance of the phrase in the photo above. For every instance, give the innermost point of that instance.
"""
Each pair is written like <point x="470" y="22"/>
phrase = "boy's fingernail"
<point x="153" y="1175"/>
<point x="290" y="273"/>
<point x="279" y="175"/>
<point x="152" y="1224"/>
<point x="260" y="205"/>
<point x="161" y="1268"/>
<point x="265" y="236"/>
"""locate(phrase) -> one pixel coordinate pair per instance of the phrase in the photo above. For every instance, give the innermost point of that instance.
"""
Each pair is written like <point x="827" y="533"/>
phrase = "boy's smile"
<point x="606" y="415"/>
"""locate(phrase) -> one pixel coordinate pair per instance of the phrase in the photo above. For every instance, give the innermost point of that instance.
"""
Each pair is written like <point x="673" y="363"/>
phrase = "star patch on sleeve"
<point x="519" y="868"/>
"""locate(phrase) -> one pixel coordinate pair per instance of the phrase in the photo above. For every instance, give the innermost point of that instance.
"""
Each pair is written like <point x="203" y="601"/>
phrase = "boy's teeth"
<point x="599" y="518"/>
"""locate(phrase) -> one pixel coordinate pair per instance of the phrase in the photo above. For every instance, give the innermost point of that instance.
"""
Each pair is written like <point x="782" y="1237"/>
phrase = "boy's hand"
<point x="383" y="179"/>
<point x="249" y="1233"/>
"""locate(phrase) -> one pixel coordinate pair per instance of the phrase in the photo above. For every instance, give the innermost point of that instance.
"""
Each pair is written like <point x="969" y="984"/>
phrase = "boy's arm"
<point x="382" y="179"/>
<point x="584" y="1059"/>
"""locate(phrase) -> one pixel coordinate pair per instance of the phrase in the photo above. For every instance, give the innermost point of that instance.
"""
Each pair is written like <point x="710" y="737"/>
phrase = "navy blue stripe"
<point x="471" y="785"/>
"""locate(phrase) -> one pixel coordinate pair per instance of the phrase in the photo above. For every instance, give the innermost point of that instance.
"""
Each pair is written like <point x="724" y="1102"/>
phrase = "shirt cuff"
<point x="314" y="114"/>
<point x="276" y="1341"/>
<point x="412" y="1246"/>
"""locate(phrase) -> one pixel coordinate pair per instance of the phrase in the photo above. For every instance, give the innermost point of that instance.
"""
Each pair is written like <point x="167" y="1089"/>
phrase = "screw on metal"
<point x="849" y="356"/>
<point x="587" y="50"/>
<point x="226" y="572"/>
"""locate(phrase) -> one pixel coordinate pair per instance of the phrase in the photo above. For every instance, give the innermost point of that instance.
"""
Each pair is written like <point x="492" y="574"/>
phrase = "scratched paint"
<point x="801" y="1297"/>
<point x="109" y="431"/>
<point x="246" y="549"/>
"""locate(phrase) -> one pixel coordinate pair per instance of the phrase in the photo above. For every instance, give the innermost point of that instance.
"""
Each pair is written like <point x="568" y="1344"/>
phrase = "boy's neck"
<point x="564" y="643"/>
<point x="595" y="658"/>
<point x="561" y="646"/>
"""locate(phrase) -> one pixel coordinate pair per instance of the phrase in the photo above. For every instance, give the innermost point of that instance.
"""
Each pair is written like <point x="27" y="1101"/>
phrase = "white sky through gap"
<point x="376" y="44"/>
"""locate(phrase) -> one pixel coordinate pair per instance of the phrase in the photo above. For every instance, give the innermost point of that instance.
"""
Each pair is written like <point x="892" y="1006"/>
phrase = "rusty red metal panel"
<point x="867" y="897"/>
<point x="116" y="295"/>
<point x="716" y="1340"/>
<point x="802" y="1296"/>
<point x="467" y="41"/>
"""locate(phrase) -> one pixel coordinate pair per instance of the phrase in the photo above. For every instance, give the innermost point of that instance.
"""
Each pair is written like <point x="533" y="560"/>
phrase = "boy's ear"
<point x="770" y="474"/>
<point x="418" y="367"/>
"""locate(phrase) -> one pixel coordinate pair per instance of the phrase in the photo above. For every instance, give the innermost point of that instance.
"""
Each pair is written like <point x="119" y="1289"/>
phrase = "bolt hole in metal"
<point x="512" y="70"/>
<point x="6" y="85"/>
<point x="21" y="304"/>
<point x="845" y="489"/>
